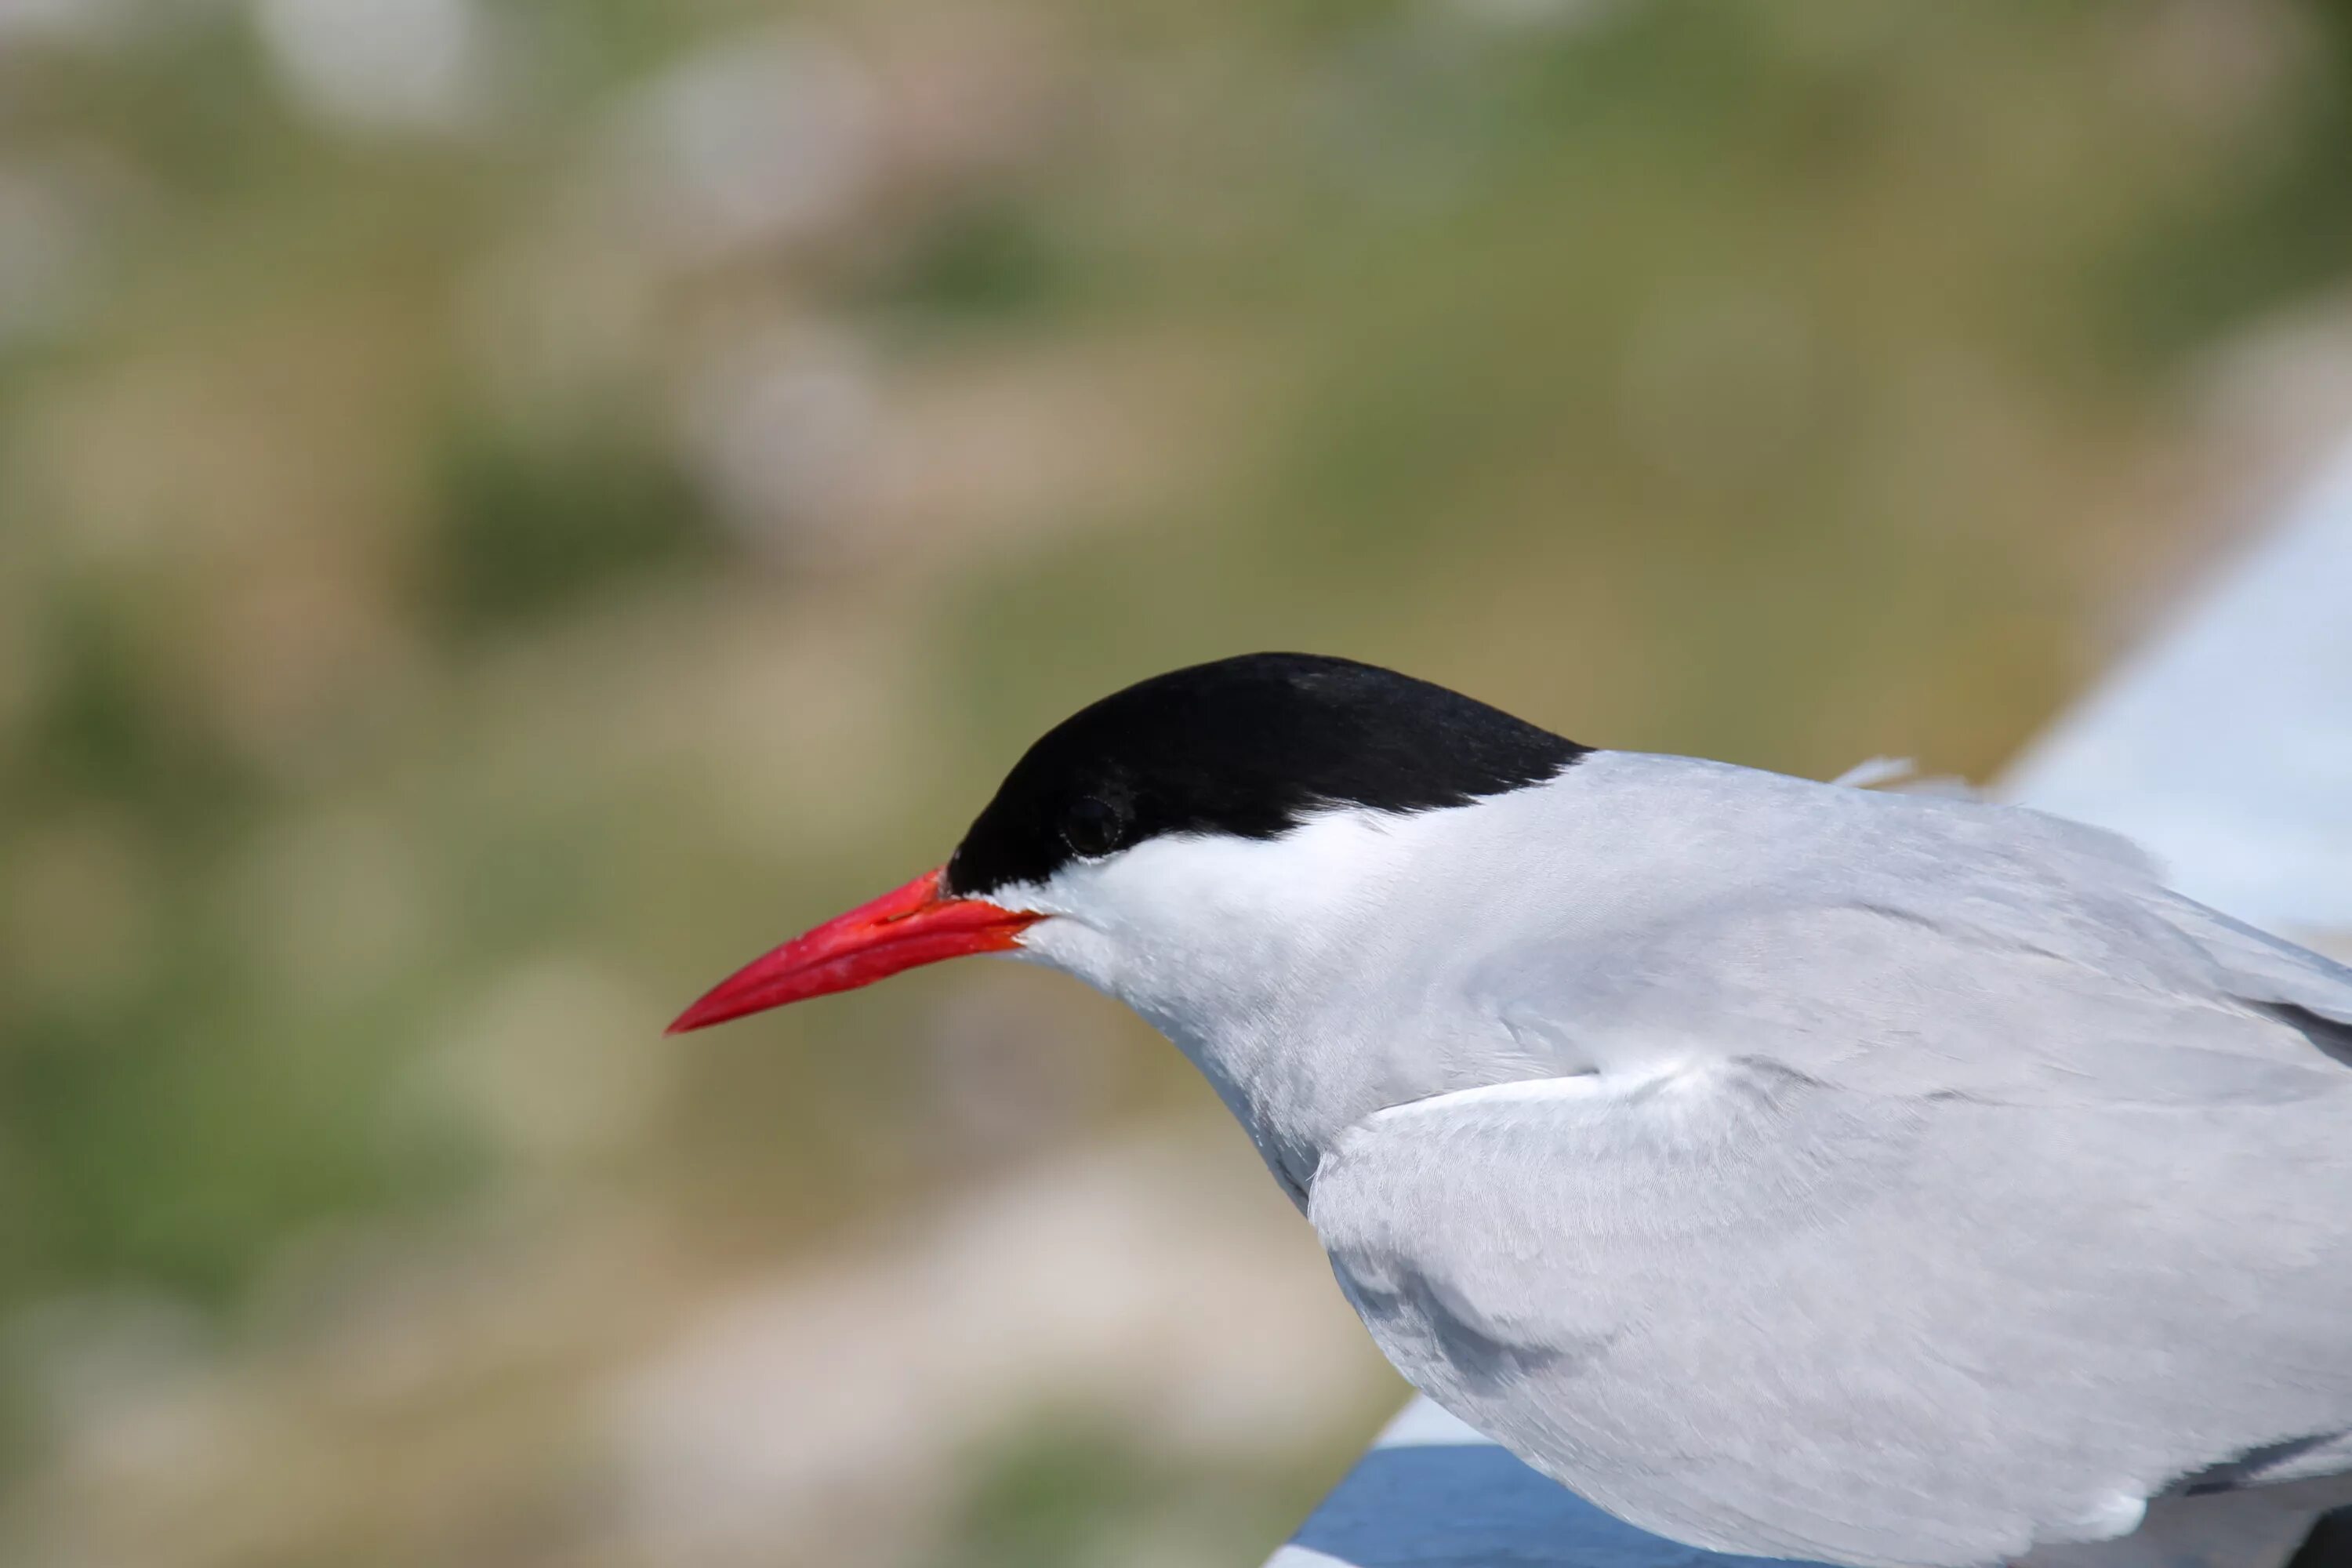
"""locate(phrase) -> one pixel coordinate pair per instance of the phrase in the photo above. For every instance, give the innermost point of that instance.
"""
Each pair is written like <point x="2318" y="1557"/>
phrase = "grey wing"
<point x="1760" y="1312"/>
<point x="1961" y="1190"/>
<point x="2312" y="993"/>
<point x="1971" y="950"/>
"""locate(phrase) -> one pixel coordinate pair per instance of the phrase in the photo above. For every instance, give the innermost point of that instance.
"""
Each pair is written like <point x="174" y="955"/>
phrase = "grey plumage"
<point x="1935" y="1183"/>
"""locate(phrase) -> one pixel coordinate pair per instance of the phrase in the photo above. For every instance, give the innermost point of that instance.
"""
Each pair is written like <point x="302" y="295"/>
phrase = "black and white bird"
<point x="1790" y="1169"/>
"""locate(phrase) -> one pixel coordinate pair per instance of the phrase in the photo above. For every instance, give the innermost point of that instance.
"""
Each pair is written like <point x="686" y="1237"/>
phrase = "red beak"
<point x="908" y="926"/>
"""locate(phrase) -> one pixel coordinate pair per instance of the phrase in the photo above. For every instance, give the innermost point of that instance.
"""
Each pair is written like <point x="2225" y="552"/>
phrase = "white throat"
<point x="1313" y="978"/>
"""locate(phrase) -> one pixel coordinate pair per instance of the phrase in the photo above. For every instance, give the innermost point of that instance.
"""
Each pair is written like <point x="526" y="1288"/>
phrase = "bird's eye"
<point x="1093" y="827"/>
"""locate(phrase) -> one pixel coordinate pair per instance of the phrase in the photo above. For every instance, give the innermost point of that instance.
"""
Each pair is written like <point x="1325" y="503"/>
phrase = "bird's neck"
<point x="1308" y="979"/>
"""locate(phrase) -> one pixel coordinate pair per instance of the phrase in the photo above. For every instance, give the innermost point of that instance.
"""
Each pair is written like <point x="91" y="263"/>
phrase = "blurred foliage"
<point x="1070" y="1494"/>
<point x="473" y="563"/>
<point x="519" y="532"/>
<point x="2278" y="229"/>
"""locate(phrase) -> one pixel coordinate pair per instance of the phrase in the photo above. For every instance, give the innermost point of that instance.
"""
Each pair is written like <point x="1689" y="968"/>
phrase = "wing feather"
<point x="1965" y="948"/>
<point x="1763" y="1313"/>
<point x="1944" y="1185"/>
<point x="2255" y="966"/>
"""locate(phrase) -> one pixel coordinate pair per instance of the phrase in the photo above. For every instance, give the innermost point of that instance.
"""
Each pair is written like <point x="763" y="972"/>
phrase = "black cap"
<point x="1247" y="747"/>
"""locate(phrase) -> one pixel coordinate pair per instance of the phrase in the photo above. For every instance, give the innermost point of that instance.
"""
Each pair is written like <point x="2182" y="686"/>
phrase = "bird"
<point x="1790" y="1169"/>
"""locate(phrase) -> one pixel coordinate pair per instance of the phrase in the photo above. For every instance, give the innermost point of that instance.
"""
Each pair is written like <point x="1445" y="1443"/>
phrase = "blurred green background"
<point x="510" y="507"/>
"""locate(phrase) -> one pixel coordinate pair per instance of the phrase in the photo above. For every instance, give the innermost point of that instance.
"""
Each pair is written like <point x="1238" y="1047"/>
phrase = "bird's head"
<point x="1156" y="837"/>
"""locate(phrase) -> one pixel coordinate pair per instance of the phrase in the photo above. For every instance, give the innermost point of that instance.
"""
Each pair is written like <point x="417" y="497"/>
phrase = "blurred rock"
<point x="75" y="22"/>
<point x="1142" y="1279"/>
<point x="94" y="1360"/>
<point x="1010" y="1073"/>
<point x="382" y="66"/>
<point x="748" y="145"/>
<point x="49" y="249"/>
<point x="2219" y="62"/>
<point x="782" y="426"/>
<point x="399" y="1395"/>
<point x="1526" y="15"/>
<point x="969" y="91"/>
<point x="2277" y="397"/>
<point x="985" y="453"/>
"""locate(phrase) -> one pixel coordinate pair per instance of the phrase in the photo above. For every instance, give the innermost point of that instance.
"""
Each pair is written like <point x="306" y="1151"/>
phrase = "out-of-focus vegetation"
<point x="507" y="507"/>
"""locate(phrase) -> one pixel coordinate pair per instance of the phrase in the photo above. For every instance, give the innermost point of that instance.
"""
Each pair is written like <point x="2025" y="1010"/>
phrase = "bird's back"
<point x="1937" y="1183"/>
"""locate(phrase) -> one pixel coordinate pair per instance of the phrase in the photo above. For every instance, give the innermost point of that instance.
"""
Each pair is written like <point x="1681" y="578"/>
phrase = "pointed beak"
<point x="908" y="926"/>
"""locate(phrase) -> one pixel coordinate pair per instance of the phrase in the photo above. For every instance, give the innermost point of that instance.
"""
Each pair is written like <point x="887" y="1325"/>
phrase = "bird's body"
<point x="1791" y="1169"/>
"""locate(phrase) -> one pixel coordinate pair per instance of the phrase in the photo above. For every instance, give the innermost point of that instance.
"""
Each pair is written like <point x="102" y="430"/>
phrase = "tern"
<point x="1790" y="1169"/>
